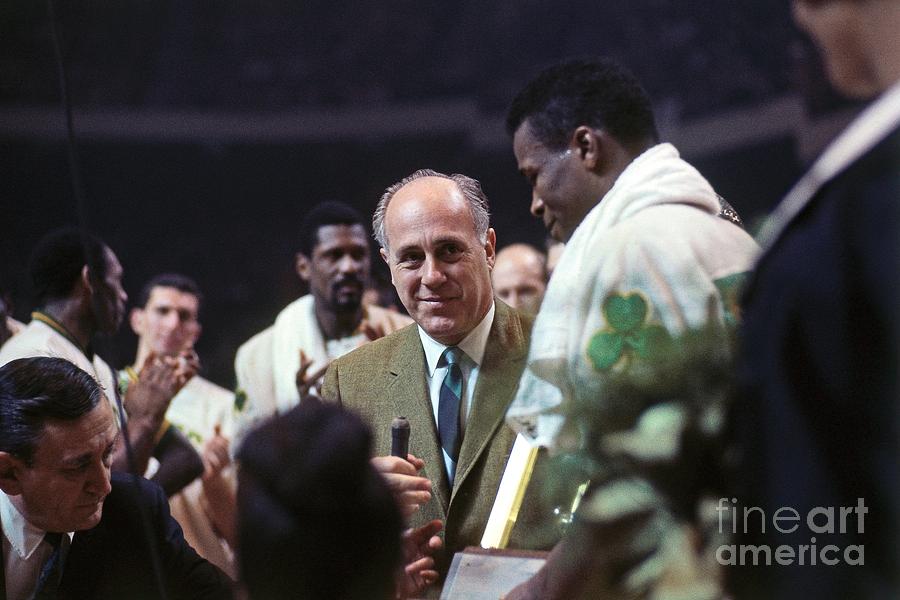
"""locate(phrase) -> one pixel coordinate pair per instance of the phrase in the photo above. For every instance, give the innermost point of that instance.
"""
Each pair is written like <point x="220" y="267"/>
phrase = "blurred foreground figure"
<point x="818" y="416"/>
<point x="286" y="361"/>
<point x="316" y="521"/>
<point x="520" y="277"/>
<point x="166" y="321"/>
<point x="71" y="529"/>
<point x="648" y="259"/>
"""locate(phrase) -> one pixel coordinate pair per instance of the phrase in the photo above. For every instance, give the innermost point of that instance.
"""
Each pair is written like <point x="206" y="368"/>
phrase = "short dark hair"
<point x="325" y="213"/>
<point x="58" y="258"/>
<point x="306" y="487"/>
<point x="180" y="282"/>
<point x="596" y="92"/>
<point x="35" y="390"/>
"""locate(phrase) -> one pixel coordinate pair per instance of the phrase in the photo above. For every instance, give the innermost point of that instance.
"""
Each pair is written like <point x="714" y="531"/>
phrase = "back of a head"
<point x="316" y="521"/>
<point x="596" y="92"/>
<point x="35" y="390"/>
<point x="57" y="260"/>
<point x="322" y="214"/>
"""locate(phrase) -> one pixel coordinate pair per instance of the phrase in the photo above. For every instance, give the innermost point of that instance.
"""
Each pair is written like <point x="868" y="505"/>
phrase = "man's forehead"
<point x="71" y="439"/>
<point x="113" y="266"/>
<point x="167" y="295"/>
<point x="337" y="234"/>
<point x="527" y="145"/>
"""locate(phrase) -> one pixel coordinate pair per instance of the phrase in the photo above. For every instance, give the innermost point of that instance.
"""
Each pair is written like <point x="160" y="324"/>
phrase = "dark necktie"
<point x="448" y="402"/>
<point x="48" y="582"/>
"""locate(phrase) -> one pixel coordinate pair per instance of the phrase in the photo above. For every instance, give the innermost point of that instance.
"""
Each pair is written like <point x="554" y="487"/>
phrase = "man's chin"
<point x="348" y="303"/>
<point x="92" y="521"/>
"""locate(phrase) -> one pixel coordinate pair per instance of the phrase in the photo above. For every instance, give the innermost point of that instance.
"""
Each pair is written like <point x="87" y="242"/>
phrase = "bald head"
<point x="520" y="276"/>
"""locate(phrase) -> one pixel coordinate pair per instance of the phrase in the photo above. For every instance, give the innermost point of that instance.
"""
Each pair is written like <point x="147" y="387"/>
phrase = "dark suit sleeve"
<point x="188" y="575"/>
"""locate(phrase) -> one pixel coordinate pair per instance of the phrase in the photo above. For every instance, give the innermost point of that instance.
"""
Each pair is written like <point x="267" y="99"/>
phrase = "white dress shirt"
<point x="473" y="346"/>
<point x="24" y="551"/>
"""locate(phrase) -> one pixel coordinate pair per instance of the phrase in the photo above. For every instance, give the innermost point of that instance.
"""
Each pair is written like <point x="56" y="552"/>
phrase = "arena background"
<point x="206" y="130"/>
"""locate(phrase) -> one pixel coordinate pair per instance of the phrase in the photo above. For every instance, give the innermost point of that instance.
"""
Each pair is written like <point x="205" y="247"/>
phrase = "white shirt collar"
<point x="22" y="535"/>
<point x="872" y="125"/>
<point x="473" y="344"/>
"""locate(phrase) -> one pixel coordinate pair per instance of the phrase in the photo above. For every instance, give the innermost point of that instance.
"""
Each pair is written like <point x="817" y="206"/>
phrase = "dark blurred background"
<point x="206" y="129"/>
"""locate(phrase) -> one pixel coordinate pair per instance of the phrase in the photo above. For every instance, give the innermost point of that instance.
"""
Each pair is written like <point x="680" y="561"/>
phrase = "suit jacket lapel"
<point x="411" y="400"/>
<point x="502" y="363"/>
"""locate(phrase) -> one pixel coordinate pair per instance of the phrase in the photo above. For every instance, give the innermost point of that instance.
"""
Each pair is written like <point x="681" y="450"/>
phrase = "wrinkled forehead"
<point x="527" y="146"/>
<point x="69" y="440"/>
<point x="428" y="206"/>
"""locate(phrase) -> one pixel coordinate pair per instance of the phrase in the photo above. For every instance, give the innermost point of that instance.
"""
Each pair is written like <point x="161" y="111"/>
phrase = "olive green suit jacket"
<point x="386" y="379"/>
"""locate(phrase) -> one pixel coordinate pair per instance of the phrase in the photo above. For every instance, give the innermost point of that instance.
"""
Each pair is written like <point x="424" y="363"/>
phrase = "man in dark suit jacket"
<point x="818" y="416"/>
<point x="434" y="233"/>
<point x="70" y="530"/>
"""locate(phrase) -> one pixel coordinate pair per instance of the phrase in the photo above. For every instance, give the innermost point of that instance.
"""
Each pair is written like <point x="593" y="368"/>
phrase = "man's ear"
<point x="10" y="466"/>
<point x="385" y="257"/>
<point x="85" y="280"/>
<point x="196" y="330"/>
<point x="303" y="266"/>
<point x="589" y="145"/>
<point x="490" y="247"/>
<point x="136" y="320"/>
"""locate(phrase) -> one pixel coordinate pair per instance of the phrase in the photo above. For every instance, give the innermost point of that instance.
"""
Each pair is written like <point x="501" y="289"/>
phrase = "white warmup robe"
<point x="652" y="255"/>
<point x="266" y="365"/>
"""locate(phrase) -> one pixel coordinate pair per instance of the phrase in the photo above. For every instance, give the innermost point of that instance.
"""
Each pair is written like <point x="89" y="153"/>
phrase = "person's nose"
<point x="98" y="480"/>
<point x="537" y="205"/>
<point x="512" y="299"/>
<point x="171" y="320"/>
<point x="349" y="264"/>
<point x="432" y="273"/>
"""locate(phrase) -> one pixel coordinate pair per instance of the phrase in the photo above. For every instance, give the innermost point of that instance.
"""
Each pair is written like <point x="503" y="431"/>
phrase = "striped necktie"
<point x="448" y="403"/>
<point x="51" y="572"/>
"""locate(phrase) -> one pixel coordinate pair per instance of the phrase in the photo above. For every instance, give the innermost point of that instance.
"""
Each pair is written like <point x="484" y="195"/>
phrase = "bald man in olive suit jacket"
<point x="386" y="379"/>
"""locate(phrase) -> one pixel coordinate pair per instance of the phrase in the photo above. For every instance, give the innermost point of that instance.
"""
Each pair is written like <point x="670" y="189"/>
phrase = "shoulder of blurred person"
<point x="814" y="374"/>
<point x="113" y="560"/>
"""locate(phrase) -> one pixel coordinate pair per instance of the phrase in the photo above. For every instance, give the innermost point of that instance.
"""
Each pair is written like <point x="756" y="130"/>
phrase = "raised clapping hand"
<point x="219" y="498"/>
<point x="410" y="490"/>
<point x="160" y="379"/>
<point x="307" y="382"/>
<point x="215" y="454"/>
<point x="373" y="332"/>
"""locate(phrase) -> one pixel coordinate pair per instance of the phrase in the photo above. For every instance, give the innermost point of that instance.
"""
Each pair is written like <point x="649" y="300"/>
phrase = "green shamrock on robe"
<point x="627" y="334"/>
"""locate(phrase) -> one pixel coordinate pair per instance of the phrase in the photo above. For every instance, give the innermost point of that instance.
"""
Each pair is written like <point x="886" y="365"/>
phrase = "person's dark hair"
<point x="58" y="258"/>
<point x="595" y="92"/>
<point x="316" y="521"/>
<point x="180" y="282"/>
<point x="35" y="390"/>
<point x="325" y="213"/>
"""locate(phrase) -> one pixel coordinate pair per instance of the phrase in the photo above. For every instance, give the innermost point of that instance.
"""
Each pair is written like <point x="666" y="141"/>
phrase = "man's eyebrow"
<point x="408" y="248"/>
<point x="76" y="460"/>
<point x="449" y="239"/>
